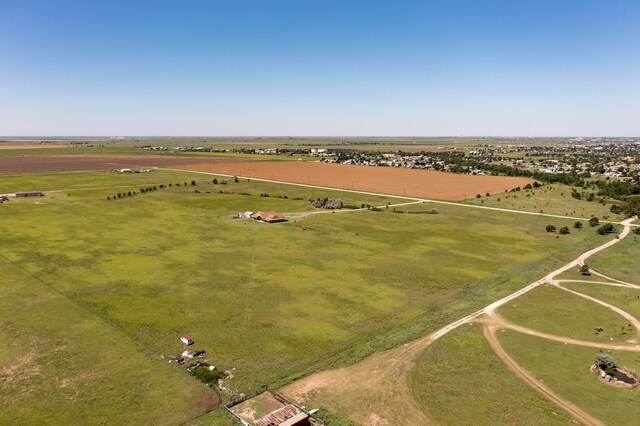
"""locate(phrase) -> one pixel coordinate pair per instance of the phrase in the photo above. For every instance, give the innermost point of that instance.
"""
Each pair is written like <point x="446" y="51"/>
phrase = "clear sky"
<point x="332" y="68"/>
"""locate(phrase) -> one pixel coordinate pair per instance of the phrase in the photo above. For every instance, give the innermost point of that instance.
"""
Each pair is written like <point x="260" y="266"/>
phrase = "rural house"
<point x="269" y="217"/>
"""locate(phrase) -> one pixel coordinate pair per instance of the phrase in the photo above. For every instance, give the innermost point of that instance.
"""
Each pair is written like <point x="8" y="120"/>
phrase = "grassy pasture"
<point x="551" y="310"/>
<point x="552" y="199"/>
<point x="460" y="380"/>
<point x="60" y="363"/>
<point x="627" y="299"/>
<point x="621" y="260"/>
<point x="565" y="369"/>
<point x="271" y="300"/>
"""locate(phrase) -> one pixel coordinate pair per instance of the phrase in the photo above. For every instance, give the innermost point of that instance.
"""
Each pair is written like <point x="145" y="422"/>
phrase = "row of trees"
<point x="605" y="229"/>
<point x="121" y="195"/>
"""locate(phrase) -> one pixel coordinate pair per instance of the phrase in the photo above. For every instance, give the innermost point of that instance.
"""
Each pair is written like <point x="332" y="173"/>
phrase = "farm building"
<point x="269" y="217"/>
<point x="30" y="194"/>
<point x="186" y="340"/>
<point x="289" y="415"/>
<point x="270" y="408"/>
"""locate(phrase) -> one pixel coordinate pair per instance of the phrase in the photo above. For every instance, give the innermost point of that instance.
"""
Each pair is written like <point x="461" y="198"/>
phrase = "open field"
<point x="157" y="265"/>
<point x="5" y="146"/>
<point x="565" y="369"/>
<point x="459" y="379"/>
<point x="385" y="180"/>
<point x="626" y="299"/>
<point x="621" y="262"/>
<point x="553" y="199"/>
<point x="60" y="363"/>
<point x="77" y="163"/>
<point x="551" y="310"/>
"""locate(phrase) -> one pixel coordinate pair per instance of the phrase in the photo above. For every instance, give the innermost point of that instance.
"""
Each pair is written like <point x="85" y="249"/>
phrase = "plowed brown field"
<point x="31" y="146"/>
<point x="385" y="180"/>
<point x="78" y="163"/>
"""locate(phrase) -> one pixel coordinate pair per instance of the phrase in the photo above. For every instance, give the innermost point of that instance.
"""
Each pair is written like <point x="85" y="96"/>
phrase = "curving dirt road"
<point x="626" y="315"/>
<point x="495" y="319"/>
<point x="575" y="411"/>
<point x="381" y="381"/>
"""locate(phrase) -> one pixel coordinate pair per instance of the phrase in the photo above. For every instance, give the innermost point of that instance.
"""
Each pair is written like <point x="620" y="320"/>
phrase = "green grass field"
<point x="552" y="199"/>
<point x="273" y="301"/>
<point x="460" y="380"/>
<point x="565" y="369"/>
<point x="551" y="310"/>
<point x="60" y="363"/>
<point x="621" y="260"/>
<point x="627" y="299"/>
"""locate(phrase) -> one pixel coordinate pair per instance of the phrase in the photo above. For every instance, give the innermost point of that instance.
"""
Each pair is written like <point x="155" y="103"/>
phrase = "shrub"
<point x="214" y="181"/>
<point x="564" y="230"/>
<point x="636" y="231"/>
<point x="193" y="183"/>
<point x="605" y="363"/>
<point x="594" y="221"/>
<point x="550" y="228"/>
<point x="605" y="229"/>
<point x="615" y="209"/>
<point x="207" y="376"/>
<point x="577" y="225"/>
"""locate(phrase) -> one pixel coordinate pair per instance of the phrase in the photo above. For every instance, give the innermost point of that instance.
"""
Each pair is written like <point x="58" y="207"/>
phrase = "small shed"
<point x="186" y="340"/>
<point x="30" y="194"/>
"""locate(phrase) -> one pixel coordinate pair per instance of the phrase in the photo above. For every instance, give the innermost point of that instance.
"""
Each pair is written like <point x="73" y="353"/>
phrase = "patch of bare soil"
<point x="374" y="391"/>
<point x="208" y="402"/>
<point x="27" y="164"/>
<point x="385" y="180"/>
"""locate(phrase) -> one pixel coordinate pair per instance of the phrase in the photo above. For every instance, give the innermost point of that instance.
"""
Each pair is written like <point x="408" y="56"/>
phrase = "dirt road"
<point x="575" y="411"/>
<point x="379" y="194"/>
<point x="377" y="387"/>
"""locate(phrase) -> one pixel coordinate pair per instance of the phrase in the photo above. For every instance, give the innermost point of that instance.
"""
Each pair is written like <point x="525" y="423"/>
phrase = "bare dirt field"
<point x="386" y="180"/>
<point x="31" y="146"/>
<point x="79" y="163"/>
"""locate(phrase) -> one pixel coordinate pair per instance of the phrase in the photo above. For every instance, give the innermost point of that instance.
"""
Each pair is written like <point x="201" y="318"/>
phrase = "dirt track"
<point x="27" y="164"/>
<point x="386" y="180"/>
<point x="489" y="333"/>
<point x="378" y="387"/>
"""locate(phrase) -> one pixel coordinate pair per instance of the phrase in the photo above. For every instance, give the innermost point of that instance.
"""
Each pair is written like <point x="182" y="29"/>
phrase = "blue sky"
<point x="325" y="68"/>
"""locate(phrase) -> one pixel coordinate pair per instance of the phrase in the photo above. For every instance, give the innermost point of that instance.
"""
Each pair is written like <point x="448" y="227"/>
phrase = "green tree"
<point x="215" y="181"/>
<point x="193" y="183"/>
<point x="550" y="228"/>
<point x="594" y="221"/>
<point x="564" y="230"/>
<point x="606" y="229"/>
<point x="606" y="363"/>
<point x="615" y="209"/>
<point x="577" y="225"/>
